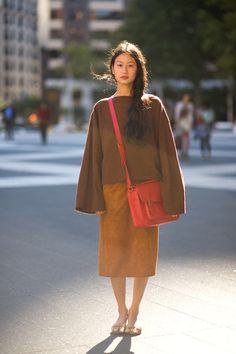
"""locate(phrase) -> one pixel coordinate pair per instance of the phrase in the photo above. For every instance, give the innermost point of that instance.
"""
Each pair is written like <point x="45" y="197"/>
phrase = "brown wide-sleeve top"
<point x="154" y="157"/>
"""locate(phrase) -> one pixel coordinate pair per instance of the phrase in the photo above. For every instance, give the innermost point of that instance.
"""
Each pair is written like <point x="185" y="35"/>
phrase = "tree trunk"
<point x="230" y="100"/>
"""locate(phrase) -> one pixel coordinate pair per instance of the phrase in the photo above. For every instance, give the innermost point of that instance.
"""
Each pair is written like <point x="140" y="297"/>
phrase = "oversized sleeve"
<point x="172" y="183"/>
<point x="89" y="194"/>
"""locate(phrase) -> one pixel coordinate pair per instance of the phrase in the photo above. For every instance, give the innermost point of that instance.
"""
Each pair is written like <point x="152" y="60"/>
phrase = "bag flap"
<point x="149" y="191"/>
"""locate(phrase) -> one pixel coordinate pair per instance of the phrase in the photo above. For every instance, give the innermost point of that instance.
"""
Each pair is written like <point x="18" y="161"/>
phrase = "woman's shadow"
<point x="122" y="348"/>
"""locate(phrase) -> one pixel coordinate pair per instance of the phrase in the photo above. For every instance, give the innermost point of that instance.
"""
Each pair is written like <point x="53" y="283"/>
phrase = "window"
<point x="21" y="51"/>
<point x="106" y="15"/>
<point x="21" y="81"/>
<point x="56" y="33"/>
<point x="21" y="66"/>
<point x="100" y="34"/>
<point x="56" y="14"/>
<point x="20" y="21"/>
<point x="7" y="82"/>
<point x="6" y="65"/>
<point x="54" y="54"/>
<point x="20" y="36"/>
<point x="6" y="36"/>
<point x="76" y="15"/>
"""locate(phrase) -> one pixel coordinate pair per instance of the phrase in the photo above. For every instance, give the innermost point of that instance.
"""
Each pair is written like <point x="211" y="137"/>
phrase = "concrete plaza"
<point x="51" y="298"/>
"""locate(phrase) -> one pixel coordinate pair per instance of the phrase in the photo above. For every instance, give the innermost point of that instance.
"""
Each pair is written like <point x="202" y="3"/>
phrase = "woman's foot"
<point x="119" y="326"/>
<point x="130" y="328"/>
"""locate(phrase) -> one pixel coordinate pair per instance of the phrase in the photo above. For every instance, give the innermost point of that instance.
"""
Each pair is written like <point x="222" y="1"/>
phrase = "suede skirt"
<point x="124" y="250"/>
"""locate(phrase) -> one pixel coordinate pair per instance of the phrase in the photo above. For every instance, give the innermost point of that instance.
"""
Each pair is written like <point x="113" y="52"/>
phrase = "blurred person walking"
<point x="125" y="250"/>
<point x="8" y="115"/>
<point x="43" y="114"/>
<point x="183" y="117"/>
<point x="204" y="124"/>
<point x="183" y="129"/>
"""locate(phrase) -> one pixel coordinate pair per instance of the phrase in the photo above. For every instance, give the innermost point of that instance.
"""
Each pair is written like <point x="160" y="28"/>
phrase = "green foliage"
<point x="26" y="106"/>
<point x="218" y="33"/>
<point x="183" y="39"/>
<point x="80" y="60"/>
<point x="166" y="32"/>
<point x="77" y="60"/>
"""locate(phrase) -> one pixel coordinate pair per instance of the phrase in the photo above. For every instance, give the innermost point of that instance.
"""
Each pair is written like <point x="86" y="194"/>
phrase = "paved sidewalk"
<point x="51" y="299"/>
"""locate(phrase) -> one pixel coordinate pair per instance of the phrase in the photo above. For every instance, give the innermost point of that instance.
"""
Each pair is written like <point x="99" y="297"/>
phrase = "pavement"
<point x="51" y="299"/>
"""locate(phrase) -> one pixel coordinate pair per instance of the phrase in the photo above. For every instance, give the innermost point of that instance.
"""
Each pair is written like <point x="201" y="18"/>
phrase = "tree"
<point x="218" y="36"/>
<point x="166" y="31"/>
<point x="77" y="59"/>
<point x="24" y="107"/>
<point x="177" y="38"/>
<point x="81" y="60"/>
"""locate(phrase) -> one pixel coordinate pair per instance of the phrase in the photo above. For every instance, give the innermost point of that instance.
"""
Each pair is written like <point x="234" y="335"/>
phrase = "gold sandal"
<point x="119" y="328"/>
<point x="133" y="331"/>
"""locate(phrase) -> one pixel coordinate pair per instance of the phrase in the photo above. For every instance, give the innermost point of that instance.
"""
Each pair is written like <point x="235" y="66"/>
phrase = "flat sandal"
<point x="133" y="331"/>
<point x="119" y="328"/>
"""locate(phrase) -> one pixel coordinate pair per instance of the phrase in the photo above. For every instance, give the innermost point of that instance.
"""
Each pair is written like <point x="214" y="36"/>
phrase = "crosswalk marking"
<point x="220" y="177"/>
<point x="29" y="158"/>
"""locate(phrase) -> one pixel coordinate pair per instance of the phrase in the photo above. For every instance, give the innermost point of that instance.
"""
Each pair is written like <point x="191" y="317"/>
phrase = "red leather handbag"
<point x="144" y="199"/>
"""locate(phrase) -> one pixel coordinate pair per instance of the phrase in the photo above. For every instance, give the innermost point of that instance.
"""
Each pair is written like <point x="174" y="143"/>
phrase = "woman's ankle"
<point x="133" y="316"/>
<point x="134" y="309"/>
<point x="123" y="311"/>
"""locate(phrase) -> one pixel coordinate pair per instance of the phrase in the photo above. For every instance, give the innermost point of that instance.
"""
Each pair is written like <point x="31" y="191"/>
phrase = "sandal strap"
<point x="133" y="330"/>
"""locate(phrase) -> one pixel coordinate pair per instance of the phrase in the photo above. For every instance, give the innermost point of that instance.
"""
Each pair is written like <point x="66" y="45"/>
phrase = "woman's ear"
<point x="112" y="73"/>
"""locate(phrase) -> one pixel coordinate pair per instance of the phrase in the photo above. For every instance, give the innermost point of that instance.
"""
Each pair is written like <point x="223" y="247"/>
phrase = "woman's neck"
<point x="124" y="90"/>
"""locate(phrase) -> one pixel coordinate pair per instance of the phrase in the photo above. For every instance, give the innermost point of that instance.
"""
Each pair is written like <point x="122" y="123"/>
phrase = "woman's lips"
<point x="124" y="77"/>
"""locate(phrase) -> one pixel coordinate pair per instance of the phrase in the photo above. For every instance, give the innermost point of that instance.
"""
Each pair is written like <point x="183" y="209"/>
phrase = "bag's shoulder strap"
<point x="119" y="139"/>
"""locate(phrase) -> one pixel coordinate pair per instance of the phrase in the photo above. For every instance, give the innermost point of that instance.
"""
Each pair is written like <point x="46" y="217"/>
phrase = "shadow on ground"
<point x="123" y="347"/>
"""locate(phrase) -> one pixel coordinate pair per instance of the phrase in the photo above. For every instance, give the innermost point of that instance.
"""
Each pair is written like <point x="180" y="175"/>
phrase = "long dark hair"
<point x="136" y="126"/>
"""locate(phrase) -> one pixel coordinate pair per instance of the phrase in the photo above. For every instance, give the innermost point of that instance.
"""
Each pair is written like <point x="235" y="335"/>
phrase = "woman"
<point x="183" y="127"/>
<point x="126" y="251"/>
<point x="205" y="121"/>
<point x="183" y="115"/>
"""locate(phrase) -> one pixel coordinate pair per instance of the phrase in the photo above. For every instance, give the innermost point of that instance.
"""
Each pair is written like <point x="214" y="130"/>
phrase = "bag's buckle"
<point x="131" y="188"/>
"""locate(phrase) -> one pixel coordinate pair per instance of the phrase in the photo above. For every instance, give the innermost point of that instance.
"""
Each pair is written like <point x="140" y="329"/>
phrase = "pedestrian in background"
<point x="204" y="124"/>
<point x="8" y="116"/>
<point x="124" y="250"/>
<point x="43" y="114"/>
<point x="183" y="117"/>
<point x="183" y="127"/>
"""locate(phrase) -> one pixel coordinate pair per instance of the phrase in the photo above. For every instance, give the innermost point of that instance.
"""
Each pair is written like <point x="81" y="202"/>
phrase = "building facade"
<point x="61" y="22"/>
<point x="105" y="17"/>
<point x="86" y="22"/>
<point x="19" y="50"/>
<point x="76" y="21"/>
<point x="89" y="22"/>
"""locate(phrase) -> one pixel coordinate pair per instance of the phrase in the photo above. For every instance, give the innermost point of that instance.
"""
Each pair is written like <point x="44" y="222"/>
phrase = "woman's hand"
<point x="100" y="212"/>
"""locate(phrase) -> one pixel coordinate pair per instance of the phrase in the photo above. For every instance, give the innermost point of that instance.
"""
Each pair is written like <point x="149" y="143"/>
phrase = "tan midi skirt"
<point x="124" y="251"/>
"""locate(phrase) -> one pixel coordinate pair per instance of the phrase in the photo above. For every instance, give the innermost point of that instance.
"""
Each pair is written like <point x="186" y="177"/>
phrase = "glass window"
<point x="21" y="81"/>
<point x="21" y="66"/>
<point x="56" y="13"/>
<point x="21" y="36"/>
<point x="106" y="15"/>
<point x="56" y="33"/>
<point x="54" y="54"/>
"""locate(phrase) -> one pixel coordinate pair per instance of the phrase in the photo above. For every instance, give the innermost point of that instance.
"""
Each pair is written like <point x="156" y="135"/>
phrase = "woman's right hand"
<point x="100" y="212"/>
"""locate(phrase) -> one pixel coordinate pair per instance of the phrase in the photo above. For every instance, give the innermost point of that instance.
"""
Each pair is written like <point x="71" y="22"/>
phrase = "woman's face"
<point x="124" y="69"/>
